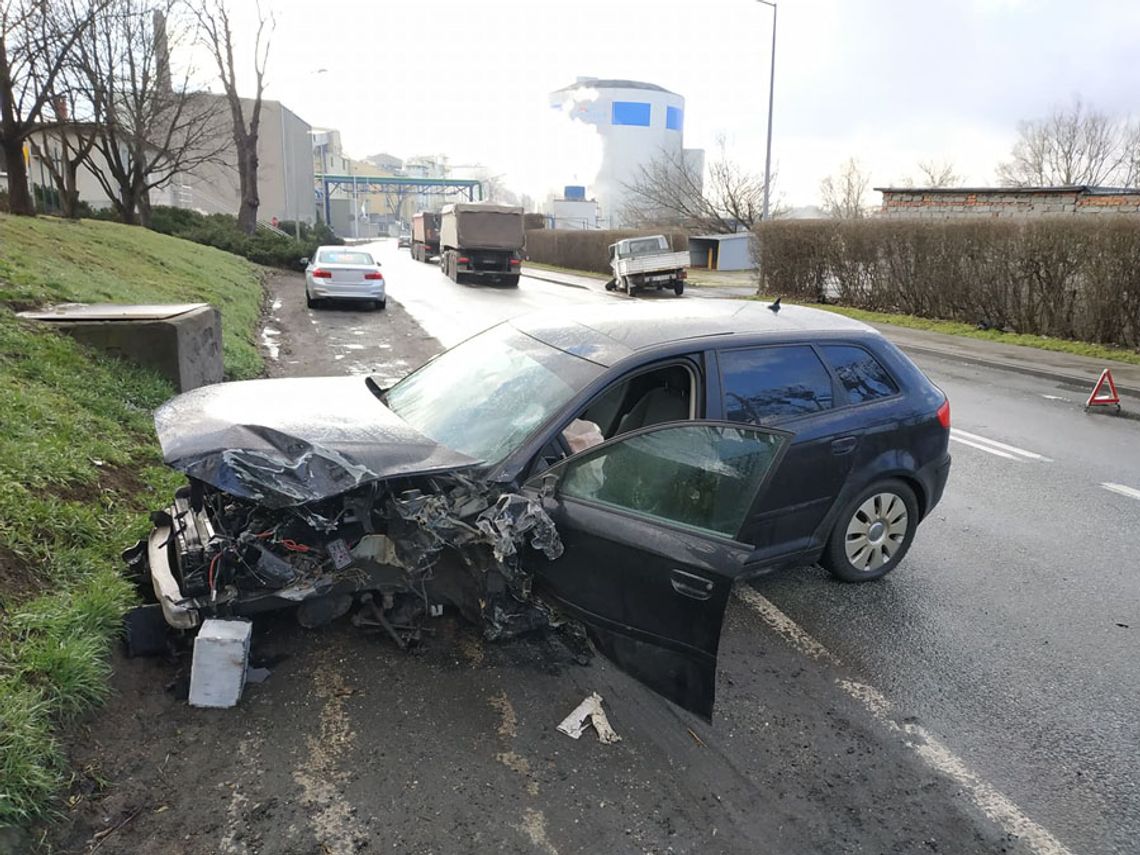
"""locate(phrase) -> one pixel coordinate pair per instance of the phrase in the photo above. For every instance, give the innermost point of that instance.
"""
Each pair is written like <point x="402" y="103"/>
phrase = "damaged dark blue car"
<point x="622" y="466"/>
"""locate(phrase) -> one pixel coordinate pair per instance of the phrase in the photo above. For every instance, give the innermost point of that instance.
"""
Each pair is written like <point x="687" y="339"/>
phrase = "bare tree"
<point x="672" y="191"/>
<point x="218" y="37"/>
<point x="36" y="39"/>
<point x="936" y="174"/>
<point x="844" y="195"/>
<point x="66" y="145"/>
<point x="148" y="130"/>
<point x="1076" y="145"/>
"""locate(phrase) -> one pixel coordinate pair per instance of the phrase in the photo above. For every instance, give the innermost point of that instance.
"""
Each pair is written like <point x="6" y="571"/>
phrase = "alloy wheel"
<point x="876" y="532"/>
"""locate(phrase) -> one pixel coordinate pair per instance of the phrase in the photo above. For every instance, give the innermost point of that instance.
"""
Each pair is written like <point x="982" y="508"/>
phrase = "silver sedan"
<point x="343" y="273"/>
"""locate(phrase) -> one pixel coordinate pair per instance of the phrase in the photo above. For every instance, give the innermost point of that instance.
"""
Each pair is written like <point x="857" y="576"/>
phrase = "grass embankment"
<point x="79" y="468"/>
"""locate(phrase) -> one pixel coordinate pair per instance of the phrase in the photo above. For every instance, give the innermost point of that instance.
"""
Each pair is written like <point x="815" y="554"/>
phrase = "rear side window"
<point x="864" y="378"/>
<point x="765" y="383"/>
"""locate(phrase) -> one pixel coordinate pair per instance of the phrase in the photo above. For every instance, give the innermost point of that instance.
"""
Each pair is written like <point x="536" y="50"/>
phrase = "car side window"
<point x="702" y="475"/>
<point x="766" y="383"/>
<point x="863" y="376"/>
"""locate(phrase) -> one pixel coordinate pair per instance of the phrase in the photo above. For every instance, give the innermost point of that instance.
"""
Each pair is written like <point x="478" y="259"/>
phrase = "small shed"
<point x="722" y="252"/>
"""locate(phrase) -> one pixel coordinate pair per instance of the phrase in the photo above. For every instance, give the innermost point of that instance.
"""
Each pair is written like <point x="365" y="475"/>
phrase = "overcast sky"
<point x="890" y="82"/>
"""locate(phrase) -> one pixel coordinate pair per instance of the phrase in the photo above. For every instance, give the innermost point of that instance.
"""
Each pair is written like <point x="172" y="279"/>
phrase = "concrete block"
<point x="221" y="657"/>
<point x="181" y="341"/>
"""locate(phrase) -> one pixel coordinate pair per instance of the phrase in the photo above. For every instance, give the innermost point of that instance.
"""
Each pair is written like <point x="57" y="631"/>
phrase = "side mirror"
<point x="305" y="262"/>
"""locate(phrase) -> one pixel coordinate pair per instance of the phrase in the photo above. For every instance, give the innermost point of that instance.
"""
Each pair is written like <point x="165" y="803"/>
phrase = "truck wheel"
<point x="679" y="287"/>
<point x="611" y="285"/>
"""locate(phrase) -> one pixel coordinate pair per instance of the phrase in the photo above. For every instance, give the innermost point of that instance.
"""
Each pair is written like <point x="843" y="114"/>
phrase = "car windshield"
<point x="341" y="256"/>
<point x="486" y="396"/>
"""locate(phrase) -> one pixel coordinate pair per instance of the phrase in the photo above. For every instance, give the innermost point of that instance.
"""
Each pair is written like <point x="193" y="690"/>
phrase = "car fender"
<point x="893" y="463"/>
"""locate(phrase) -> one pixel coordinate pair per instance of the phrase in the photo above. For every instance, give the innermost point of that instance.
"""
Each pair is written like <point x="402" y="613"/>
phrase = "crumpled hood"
<point x="291" y="441"/>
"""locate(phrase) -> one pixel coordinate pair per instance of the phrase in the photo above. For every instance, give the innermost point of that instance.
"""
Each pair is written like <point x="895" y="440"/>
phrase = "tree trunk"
<point x="127" y="205"/>
<point x="69" y="193"/>
<point x="247" y="175"/>
<point x="19" y="196"/>
<point x="144" y="209"/>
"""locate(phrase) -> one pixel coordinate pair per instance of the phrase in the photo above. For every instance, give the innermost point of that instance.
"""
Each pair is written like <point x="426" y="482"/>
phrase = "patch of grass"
<point x="79" y="468"/>
<point x="71" y="414"/>
<point x="46" y="260"/>
<point x="1041" y="342"/>
<point x="30" y="759"/>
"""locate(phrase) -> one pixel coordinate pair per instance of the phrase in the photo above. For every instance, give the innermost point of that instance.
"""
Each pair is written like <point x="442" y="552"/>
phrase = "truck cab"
<point x="647" y="261"/>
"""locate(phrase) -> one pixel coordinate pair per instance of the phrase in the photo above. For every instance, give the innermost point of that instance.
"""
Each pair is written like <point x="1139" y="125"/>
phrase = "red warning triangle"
<point x="1101" y="396"/>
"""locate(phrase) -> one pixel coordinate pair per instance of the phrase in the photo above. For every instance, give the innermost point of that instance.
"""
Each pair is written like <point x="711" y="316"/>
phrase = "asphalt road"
<point x="1013" y="631"/>
<point x="980" y="699"/>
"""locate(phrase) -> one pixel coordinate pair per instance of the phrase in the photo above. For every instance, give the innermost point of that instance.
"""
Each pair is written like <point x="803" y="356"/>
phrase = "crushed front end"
<point x="395" y="551"/>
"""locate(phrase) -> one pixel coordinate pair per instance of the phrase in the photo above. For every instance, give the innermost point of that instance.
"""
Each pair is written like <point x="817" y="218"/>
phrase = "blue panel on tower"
<point x="674" y="118"/>
<point x="631" y="113"/>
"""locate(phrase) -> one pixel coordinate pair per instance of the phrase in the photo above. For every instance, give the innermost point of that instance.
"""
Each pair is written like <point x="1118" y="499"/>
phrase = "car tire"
<point x="310" y="302"/>
<point x="381" y="304"/>
<point x="873" y="533"/>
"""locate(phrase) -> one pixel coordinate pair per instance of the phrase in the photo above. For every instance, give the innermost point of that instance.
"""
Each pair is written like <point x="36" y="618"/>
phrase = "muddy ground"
<point x="352" y="745"/>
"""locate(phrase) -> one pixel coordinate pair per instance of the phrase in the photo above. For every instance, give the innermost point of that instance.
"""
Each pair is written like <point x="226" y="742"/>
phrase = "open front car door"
<point x="649" y="522"/>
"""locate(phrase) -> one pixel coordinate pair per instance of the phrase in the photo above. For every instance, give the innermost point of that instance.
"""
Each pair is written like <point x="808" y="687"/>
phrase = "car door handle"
<point x="691" y="585"/>
<point x="844" y="445"/>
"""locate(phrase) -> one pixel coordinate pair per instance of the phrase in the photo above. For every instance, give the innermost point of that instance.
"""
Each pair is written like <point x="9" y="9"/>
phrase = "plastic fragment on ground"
<point x="589" y="712"/>
<point x="221" y="656"/>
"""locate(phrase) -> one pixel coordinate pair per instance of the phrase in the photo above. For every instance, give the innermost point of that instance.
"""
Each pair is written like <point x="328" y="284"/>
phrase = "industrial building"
<point x="284" y="169"/>
<point x="638" y="123"/>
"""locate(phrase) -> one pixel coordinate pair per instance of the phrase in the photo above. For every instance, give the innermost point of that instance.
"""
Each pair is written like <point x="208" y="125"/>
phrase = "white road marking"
<point x="1130" y="492"/>
<point x="999" y="808"/>
<point x="1001" y="449"/>
<point x="981" y="447"/>
<point x="1056" y="398"/>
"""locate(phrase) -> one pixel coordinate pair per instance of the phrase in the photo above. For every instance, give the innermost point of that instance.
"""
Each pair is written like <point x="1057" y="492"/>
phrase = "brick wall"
<point x="1005" y="203"/>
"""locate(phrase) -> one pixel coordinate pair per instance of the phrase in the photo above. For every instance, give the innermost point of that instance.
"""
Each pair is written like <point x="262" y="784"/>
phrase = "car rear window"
<point x="765" y="383"/>
<point x="341" y="256"/>
<point x="864" y="378"/>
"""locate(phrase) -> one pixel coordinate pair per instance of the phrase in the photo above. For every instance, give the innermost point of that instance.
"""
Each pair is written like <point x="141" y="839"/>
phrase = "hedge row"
<point x="585" y="249"/>
<point x="221" y="231"/>
<point x="1064" y="277"/>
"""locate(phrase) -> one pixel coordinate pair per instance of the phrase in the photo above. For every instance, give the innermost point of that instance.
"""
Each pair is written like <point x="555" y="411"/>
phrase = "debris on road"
<point x="221" y="657"/>
<point x="590" y="710"/>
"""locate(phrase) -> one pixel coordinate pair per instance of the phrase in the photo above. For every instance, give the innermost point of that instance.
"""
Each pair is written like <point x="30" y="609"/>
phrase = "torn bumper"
<point x="166" y="591"/>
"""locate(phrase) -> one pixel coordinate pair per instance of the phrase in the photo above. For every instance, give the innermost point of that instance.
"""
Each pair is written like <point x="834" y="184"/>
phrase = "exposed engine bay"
<point x="396" y="551"/>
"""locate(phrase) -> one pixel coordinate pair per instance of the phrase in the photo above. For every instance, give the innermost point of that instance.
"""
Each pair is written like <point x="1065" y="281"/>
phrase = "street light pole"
<point x="771" y="92"/>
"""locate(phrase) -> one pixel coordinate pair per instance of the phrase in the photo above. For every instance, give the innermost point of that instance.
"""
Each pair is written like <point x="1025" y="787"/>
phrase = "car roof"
<point x="608" y="332"/>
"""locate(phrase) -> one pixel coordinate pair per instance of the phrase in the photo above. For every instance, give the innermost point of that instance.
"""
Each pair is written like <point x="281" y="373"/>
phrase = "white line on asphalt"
<point x="1130" y="492"/>
<point x="933" y="752"/>
<point x="981" y="447"/>
<point x="966" y="436"/>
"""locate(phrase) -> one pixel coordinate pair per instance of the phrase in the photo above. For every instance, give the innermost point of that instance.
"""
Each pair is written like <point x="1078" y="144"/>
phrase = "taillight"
<point x="321" y="274"/>
<point x="463" y="259"/>
<point x="944" y="414"/>
<point x="516" y="261"/>
<point x="379" y="276"/>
